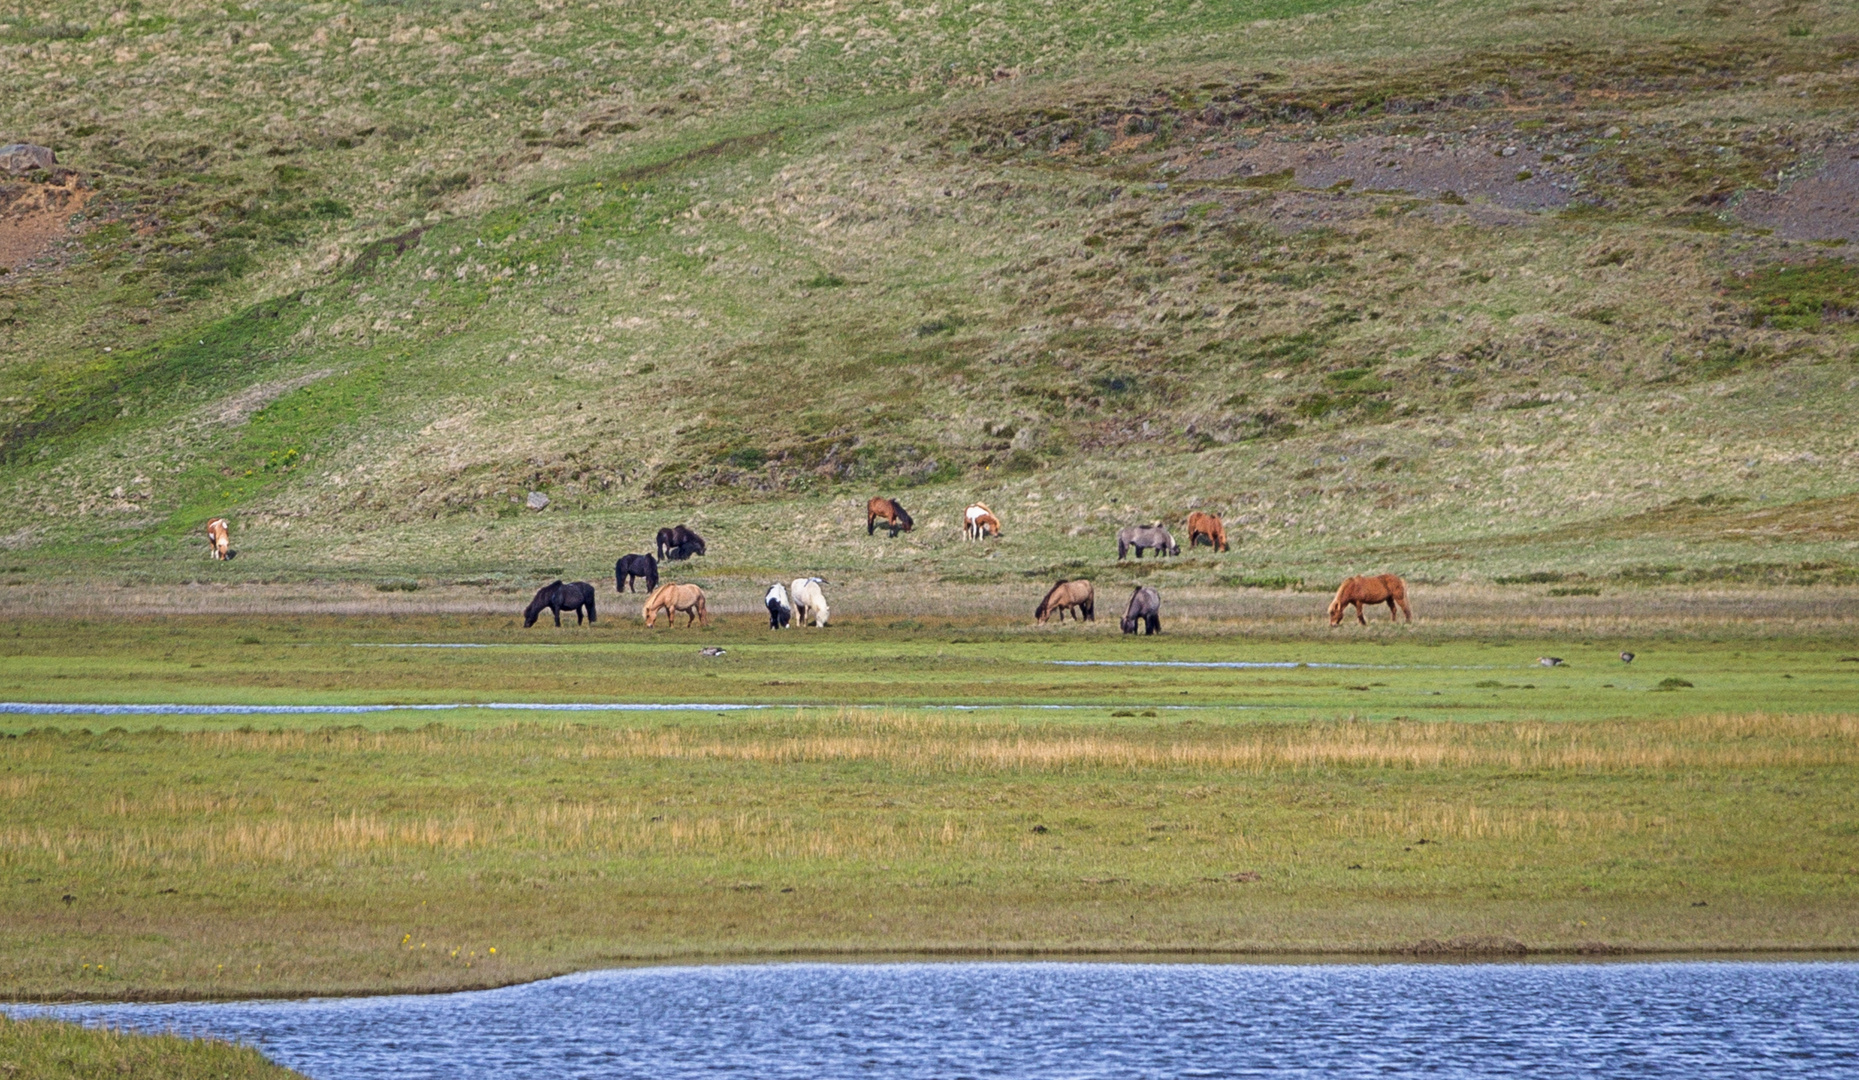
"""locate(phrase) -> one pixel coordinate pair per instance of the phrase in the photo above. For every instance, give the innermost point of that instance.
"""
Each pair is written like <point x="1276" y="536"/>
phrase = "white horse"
<point x="809" y="601"/>
<point x="780" y="611"/>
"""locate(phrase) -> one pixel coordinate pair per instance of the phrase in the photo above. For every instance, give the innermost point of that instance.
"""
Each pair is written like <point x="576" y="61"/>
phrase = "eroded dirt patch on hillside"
<point x="34" y="217"/>
<point x="1821" y="206"/>
<point x="1431" y="166"/>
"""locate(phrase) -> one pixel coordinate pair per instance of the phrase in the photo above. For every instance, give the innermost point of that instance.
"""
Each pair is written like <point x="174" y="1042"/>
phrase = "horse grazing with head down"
<point x="219" y="539"/>
<point x="1144" y="610"/>
<point x="679" y="542"/>
<point x="978" y="521"/>
<point x="1151" y="537"/>
<point x="1208" y="529"/>
<point x="889" y="511"/>
<point x="1380" y="589"/>
<point x="633" y="567"/>
<point x="780" y="611"/>
<point x="809" y="601"/>
<point x="557" y="597"/>
<point x="671" y="599"/>
<point x="1075" y="596"/>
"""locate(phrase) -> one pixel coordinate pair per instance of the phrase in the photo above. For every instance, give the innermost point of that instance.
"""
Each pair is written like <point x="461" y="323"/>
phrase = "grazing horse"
<point x="780" y="611"/>
<point x="889" y="511"/>
<point x="675" y="598"/>
<point x="978" y="521"/>
<point x="1150" y="537"/>
<point x="219" y="539"/>
<point x="679" y="543"/>
<point x="809" y="601"/>
<point x="1380" y="589"/>
<point x="1145" y="611"/>
<point x="1076" y="596"/>
<point x="633" y="567"/>
<point x="1206" y="527"/>
<point x="557" y="597"/>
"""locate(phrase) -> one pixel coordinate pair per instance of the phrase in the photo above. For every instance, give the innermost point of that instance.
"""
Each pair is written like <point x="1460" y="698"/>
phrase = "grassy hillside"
<point x="1465" y="289"/>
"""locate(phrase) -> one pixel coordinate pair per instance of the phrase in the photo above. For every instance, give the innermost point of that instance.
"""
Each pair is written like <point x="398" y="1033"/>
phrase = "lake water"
<point x="1072" y="1020"/>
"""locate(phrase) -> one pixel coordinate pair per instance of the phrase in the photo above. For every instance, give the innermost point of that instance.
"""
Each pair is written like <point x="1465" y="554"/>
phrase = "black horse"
<point x="558" y="598"/>
<point x="679" y="543"/>
<point x="1145" y="611"/>
<point x="635" y="566"/>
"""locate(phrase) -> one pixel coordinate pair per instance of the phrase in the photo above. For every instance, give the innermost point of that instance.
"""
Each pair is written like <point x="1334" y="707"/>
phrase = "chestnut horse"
<point x="675" y="598"/>
<point x="1380" y="589"/>
<point x="889" y="511"/>
<point x="1077" y="596"/>
<point x="219" y="538"/>
<point x="978" y="521"/>
<point x="1206" y="527"/>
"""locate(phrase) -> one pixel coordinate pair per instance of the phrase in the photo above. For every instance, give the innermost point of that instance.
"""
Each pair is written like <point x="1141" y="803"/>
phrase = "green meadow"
<point x="1429" y="794"/>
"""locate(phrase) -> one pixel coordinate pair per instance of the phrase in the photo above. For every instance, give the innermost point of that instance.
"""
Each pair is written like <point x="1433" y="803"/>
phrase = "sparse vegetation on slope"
<point x="1346" y="273"/>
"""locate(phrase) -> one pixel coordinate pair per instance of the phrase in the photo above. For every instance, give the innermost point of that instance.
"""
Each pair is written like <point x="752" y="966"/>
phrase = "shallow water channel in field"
<point x="1074" y="1020"/>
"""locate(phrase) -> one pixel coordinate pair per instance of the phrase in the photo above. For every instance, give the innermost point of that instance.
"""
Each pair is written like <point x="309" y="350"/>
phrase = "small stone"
<point x="537" y="500"/>
<point x="25" y="157"/>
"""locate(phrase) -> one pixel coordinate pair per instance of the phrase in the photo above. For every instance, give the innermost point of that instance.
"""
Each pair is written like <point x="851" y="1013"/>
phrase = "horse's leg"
<point x="1409" y="612"/>
<point x="558" y="613"/>
<point x="1360" y="617"/>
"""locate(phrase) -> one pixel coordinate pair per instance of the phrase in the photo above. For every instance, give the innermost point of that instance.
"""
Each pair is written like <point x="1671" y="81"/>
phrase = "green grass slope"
<point x="50" y="1050"/>
<point x="1465" y="289"/>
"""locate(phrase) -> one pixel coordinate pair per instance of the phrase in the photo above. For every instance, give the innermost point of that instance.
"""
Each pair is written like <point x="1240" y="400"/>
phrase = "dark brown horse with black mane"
<point x="557" y="597"/>
<point x="631" y="568"/>
<point x="1379" y="589"/>
<point x="679" y="542"/>
<point x="889" y="511"/>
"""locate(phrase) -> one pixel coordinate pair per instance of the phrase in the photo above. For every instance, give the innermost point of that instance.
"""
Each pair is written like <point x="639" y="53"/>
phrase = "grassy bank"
<point x="1453" y="797"/>
<point x="50" y="1050"/>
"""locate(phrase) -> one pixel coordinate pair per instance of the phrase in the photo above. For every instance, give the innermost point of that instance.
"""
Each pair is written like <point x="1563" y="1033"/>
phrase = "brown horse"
<point x="675" y="598"/>
<point x="1380" y="589"/>
<point x="1077" y="596"/>
<point x="889" y="511"/>
<point x="1206" y="527"/>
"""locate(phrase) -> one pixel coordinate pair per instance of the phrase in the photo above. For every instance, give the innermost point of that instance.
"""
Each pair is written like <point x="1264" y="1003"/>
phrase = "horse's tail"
<point x="590" y="605"/>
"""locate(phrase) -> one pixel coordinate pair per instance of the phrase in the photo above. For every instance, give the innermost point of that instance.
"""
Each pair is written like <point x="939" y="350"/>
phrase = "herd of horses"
<point x="794" y="604"/>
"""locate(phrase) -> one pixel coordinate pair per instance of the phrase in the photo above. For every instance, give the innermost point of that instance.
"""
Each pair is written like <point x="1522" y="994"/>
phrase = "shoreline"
<point x="1263" y="956"/>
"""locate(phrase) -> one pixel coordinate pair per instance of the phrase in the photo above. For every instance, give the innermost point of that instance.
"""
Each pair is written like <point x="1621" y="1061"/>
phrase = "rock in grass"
<point x="537" y="500"/>
<point x="22" y="157"/>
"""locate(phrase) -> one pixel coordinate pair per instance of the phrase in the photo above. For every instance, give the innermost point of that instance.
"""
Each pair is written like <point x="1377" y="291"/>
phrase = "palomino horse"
<point x="780" y="611"/>
<point x="575" y="596"/>
<point x="675" y="598"/>
<point x="1380" y="589"/>
<point x="1208" y="528"/>
<point x="1145" y="611"/>
<point x="1151" y="537"/>
<point x="889" y="511"/>
<point x="1075" y="596"/>
<point x="978" y="521"/>
<point x="219" y="538"/>
<point x="809" y="602"/>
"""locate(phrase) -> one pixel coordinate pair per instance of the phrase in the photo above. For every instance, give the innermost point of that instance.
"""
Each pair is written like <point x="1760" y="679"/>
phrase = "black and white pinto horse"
<point x="557" y="597"/>
<point x="780" y="609"/>
<point x="631" y="567"/>
<point x="679" y="542"/>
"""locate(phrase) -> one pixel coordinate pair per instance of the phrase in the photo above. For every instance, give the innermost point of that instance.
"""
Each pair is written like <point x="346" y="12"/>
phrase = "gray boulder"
<point x="22" y="157"/>
<point x="537" y="500"/>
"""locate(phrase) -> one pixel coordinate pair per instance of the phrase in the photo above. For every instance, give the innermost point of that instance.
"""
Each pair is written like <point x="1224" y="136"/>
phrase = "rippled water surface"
<point x="1693" y="1019"/>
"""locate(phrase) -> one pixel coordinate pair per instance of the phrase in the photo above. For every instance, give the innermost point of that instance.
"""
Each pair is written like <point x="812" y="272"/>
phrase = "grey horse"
<point x="1151" y="537"/>
<point x="1145" y="611"/>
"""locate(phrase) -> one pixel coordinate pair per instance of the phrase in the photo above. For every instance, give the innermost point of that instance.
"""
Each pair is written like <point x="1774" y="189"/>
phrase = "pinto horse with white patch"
<point x="978" y="521"/>
<point x="219" y="538"/>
